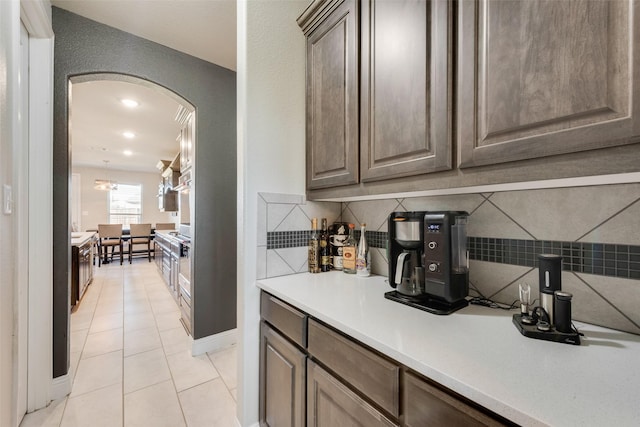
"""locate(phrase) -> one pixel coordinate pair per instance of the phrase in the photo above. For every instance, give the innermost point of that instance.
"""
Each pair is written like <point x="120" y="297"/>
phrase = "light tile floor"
<point x="131" y="363"/>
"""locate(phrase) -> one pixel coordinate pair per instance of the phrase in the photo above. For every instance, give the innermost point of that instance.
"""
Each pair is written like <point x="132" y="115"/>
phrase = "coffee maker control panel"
<point x="436" y="249"/>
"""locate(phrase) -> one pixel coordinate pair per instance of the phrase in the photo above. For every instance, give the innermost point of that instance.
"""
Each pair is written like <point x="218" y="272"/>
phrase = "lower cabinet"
<point x="331" y="403"/>
<point x="81" y="270"/>
<point x="312" y="375"/>
<point x="282" y="381"/>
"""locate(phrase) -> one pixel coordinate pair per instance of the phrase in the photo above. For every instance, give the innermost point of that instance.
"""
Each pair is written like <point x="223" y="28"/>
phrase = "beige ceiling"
<point x="205" y="29"/>
<point x="98" y="119"/>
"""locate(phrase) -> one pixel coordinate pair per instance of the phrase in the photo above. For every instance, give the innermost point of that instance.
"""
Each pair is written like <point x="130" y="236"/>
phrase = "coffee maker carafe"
<point x="428" y="262"/>
<point x="406" y="240"/>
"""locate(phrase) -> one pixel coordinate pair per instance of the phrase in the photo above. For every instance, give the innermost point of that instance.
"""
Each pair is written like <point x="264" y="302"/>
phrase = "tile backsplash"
<point x="596" y="229"/>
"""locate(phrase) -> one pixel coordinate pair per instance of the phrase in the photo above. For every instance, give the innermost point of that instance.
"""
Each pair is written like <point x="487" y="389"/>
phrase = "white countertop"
<point x="478" y="352"/>
<point x="80" y="238"/>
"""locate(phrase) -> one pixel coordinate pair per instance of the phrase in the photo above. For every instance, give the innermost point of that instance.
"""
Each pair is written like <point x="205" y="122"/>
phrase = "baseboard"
<point x="214" y="342"/>
<point x="61" y="386"/>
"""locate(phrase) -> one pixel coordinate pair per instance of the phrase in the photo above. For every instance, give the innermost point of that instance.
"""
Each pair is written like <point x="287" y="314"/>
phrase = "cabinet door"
<point x="332" y="99"/>
<point x="282" y="381"/>
<point x="538" y="78"/>
<point x="330" y="403"/>
<point x="405" y="88"/>
<point x="427" y="405"/>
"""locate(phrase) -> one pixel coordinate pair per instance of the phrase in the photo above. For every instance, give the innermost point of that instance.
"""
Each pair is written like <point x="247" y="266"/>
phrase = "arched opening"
<point x="126" y="144"/>
<point x="86" y="49"/>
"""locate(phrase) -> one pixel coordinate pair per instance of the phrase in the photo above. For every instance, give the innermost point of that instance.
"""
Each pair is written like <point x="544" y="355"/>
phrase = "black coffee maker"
<point x="428" y="262"/>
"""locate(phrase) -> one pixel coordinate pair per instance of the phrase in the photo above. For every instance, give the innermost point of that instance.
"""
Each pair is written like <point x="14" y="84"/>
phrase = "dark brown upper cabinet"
<point x="331" y="28"/>
<point x="540" y="78"/>
<point x="404" y="50"/>
<point x="405" y="80"/>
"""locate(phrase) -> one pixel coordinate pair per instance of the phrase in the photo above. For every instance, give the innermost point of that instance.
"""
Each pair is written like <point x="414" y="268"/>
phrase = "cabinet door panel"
<point x="539" y="78"/>
<point x="330" y="403"/>
<point x="376" y="377"/>
<point x="405" y="96"/>
<point x="332" y="99"/>
<point x="426" y="405"/>
<point x="282" y="381"/>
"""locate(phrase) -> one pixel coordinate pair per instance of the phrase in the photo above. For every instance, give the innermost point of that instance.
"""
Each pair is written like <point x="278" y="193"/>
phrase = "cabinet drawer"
<point x="288" y="320"/>
<point x="374" y="376"/>
<point x="424" y="404"/>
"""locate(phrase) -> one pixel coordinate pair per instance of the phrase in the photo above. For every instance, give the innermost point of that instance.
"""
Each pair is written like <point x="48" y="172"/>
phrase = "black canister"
<point x="550" y="280"/>
<point x="562" y="311"/>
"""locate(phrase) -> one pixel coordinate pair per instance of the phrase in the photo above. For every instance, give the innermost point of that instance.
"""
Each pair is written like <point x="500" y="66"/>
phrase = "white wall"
<point x="271" y="141"/>
<point x="94" y="203"/>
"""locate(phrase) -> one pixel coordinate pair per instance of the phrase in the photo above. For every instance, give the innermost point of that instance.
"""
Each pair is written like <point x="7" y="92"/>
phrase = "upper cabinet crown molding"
<point x="541" y="78"/>
<point x="315" y="13"/>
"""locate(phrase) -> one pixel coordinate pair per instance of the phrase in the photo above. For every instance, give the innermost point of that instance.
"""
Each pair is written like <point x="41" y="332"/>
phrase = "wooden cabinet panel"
<point x="538" y="78"/>
<point x="282" y="381"/>
<point x="372" y="375"/>
<point x="330" y="403"/>
<point x="332" y="98"/>
<point x="427" y="405"/>
<point x="288" y="320"/>
<point x="405" y="88"/>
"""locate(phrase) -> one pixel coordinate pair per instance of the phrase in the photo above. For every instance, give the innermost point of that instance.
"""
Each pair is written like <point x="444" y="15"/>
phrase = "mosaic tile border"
<point x="581" y="257"/>
<point x="295" y="239"/>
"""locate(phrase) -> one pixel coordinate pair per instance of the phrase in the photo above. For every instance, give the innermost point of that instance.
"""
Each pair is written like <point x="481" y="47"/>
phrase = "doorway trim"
<point x="36" y="16"/>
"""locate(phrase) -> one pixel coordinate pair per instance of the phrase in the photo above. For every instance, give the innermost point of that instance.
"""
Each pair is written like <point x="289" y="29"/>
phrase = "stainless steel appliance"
<point x="406" y="243"/>
<point x="184" y="279"/>
<point x="428" y="260"/>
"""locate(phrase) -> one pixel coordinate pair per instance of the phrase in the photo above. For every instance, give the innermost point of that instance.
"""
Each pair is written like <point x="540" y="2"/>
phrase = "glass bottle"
<point x="325" y="259"/>
<point x="349" y="252"/>
<point x="314" y="248"/>
<point x="363" y="257"/>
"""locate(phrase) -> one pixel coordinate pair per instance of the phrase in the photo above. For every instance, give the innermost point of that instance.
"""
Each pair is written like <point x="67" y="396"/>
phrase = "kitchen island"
<point x="479" y="354"/>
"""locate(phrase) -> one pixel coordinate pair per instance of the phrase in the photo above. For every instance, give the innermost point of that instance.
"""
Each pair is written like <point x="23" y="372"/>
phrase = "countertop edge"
<point x="79" y="241"/>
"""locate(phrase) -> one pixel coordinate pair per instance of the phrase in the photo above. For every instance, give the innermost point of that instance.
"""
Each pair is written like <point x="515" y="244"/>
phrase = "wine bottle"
<point x="349" y="252"/>
<point x="325" y="259"/>
<point x="363" y="257"/>
<point x="314" y="248"/>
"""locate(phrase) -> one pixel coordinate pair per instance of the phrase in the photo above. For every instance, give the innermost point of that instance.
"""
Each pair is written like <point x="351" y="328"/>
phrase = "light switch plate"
<point x="7" y="199"/>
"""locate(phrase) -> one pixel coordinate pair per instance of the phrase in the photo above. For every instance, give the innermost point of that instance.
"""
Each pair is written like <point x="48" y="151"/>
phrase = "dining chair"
<point x="109" y="236"/>
<point x="140" y="234"/>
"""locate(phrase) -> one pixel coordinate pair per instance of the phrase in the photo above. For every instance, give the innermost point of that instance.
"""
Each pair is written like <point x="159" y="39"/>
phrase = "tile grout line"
<point x="606" y="300"/>
<point x="608" y="219"/>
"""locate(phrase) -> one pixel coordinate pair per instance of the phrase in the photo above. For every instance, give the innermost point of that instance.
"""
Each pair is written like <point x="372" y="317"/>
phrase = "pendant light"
<point x="105" y="184"/>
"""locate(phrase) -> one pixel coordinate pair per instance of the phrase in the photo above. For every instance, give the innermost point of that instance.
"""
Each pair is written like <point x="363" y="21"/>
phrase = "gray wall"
<point x="83" y="47"/>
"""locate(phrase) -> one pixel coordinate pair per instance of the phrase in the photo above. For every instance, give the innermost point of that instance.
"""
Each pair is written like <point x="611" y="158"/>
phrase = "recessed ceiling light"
<point x="128" y="135"/>
<point x="127" y="152"/>
<point x="130" y="103"/>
